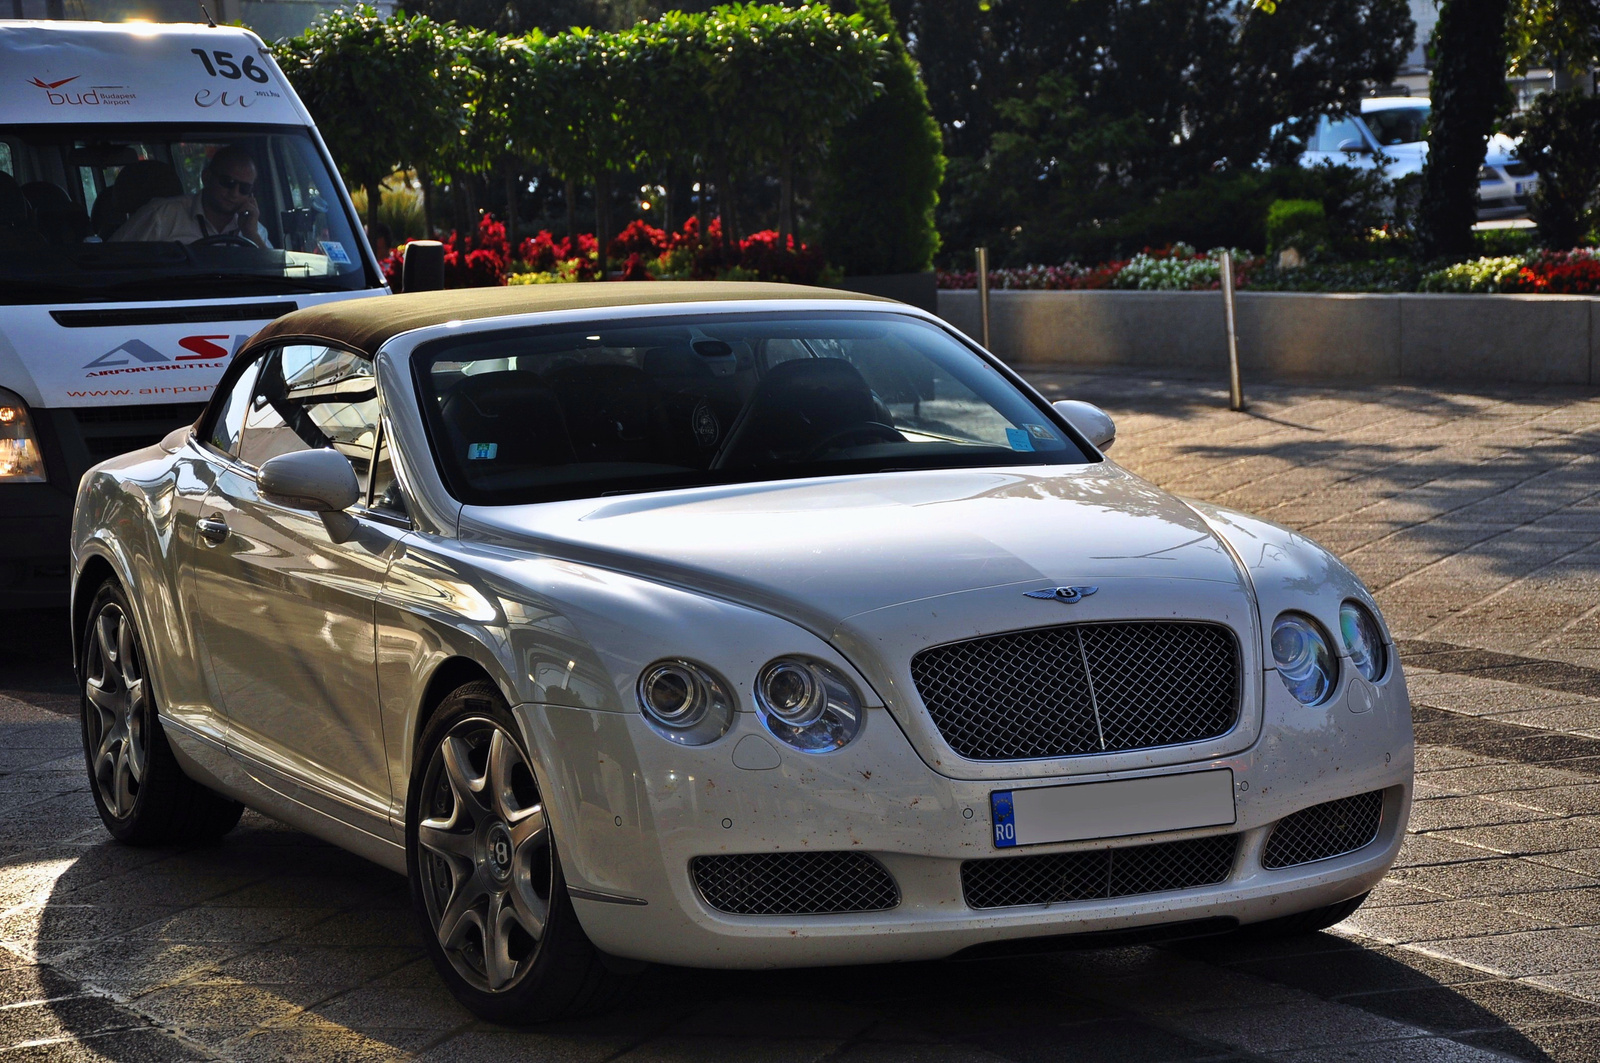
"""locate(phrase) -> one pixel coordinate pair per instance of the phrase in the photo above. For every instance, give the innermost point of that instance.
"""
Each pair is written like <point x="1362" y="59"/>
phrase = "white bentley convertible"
<point x="722" y="625"/>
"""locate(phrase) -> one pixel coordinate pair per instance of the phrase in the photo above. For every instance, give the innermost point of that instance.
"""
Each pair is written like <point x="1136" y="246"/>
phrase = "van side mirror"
<point x="321" y="481"/>
<point x="1094" y="423"/>
<point x="1354" y="147"/>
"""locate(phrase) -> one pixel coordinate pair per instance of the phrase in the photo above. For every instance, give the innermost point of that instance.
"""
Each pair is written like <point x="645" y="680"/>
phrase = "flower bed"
<point x="1181" y="268"/>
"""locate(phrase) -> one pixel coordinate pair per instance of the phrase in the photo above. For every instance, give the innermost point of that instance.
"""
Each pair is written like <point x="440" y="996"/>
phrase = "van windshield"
<point x="123" y="213"/>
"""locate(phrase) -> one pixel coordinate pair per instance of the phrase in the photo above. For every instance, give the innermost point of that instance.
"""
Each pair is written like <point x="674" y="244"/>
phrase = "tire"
<point x="480" y="854"/>
<point x="143" y="796"/>
<point x="1302" y="923"/>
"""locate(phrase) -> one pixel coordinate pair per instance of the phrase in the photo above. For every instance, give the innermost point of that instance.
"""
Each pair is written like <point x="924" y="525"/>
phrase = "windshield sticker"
<point x="482" y="451"/>
<point x="1018" y="438"/>
<point x="1039" y="431"/>
<point x="335" y="252"/>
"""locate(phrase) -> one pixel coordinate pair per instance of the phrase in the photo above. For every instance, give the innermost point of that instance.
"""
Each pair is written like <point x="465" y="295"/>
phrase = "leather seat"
<point x="614" y="414"/>
<point x="137" y="184"/>
<point x="799" y="404"/>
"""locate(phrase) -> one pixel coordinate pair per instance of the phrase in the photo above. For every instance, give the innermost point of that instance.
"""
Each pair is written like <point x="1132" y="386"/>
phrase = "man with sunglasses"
<point x="224" y="206"/>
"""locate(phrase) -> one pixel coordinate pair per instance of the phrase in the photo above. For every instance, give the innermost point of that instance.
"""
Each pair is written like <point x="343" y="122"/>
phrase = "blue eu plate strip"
<point x="1005" y="827"/>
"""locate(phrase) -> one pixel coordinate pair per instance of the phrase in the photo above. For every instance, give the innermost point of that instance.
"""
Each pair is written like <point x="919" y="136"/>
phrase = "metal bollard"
<point x="982" y="254"/>
<point x="1235" y="388"/>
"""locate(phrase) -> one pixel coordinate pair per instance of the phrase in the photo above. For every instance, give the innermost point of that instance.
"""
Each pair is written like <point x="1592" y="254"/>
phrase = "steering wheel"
<point x="224" y="240"/>
<point x="857" y="435"/>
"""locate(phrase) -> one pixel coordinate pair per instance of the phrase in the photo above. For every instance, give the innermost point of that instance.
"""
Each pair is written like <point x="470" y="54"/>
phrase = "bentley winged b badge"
<point x="1064" y="595"/>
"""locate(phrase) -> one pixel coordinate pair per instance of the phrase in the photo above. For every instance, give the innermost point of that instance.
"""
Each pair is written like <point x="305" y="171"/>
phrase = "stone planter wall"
<point x="1542" y="339"/>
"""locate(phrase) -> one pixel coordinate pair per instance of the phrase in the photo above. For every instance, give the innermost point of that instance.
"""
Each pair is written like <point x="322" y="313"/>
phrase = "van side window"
<point x="1331" y="132"/>
<point x="307" y="397"/>
<point x="229" y="424"/>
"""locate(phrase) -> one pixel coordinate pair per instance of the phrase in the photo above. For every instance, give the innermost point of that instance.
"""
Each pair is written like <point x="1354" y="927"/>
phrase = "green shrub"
<point x="1561" y="139"/>
<point x="1480" y="275"/>
<point x="1298" y="223"/>
<point x="400" y="210"/>
<point x="880" y="184"/>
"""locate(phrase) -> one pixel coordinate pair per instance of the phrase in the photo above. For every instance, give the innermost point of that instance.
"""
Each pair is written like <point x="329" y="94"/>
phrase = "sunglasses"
<point x="232" y="184"/>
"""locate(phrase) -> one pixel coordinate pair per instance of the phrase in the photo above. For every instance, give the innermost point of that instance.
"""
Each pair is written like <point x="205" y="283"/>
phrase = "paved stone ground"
<point x="1475" y="517"/>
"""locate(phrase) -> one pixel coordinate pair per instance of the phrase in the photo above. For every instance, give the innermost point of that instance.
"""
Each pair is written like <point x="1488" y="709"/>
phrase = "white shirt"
<point x="180" y="218"/>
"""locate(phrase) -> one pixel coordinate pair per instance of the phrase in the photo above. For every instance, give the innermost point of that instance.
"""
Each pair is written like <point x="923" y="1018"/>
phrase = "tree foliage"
<point x="1162" y="93"/>
<point x="347" y="69"/>
<point x="1561" y="138"/>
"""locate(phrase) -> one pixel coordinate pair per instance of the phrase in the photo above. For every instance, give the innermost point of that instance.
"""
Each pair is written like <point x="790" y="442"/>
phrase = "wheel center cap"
<point x="497" y="851"/>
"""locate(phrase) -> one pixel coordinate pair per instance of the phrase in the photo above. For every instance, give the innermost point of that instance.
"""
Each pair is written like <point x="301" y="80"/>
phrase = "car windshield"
<point x="577" y="411"/>
<point x="1398" y="125"/>
<point x="97" y="212"/>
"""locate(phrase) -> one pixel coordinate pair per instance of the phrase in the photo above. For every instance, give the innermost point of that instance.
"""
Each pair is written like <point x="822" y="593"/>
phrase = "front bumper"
<point x="631" y="811"/>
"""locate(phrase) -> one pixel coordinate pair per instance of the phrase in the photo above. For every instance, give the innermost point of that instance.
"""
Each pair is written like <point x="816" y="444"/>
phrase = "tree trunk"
<point x="786" y="199"/>
<point x="571" y="195"/>
<point x="1469" y="91"/>
<point x="425" y="179"/>
<point x="665" y="201"/>
<point x="512" y="185"/>
<point x="701" y="214"/>
<point x="602" y="216"/>
<point x="374" y="198"/>
<point x="725" y="207"/>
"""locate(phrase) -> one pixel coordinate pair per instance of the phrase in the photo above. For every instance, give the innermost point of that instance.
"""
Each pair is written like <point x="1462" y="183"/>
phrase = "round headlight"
<point x="1306" y="661"/>
<point x="1363" y="638"/>
<point x="808" y="704"/>
<point x="684" y="702"/>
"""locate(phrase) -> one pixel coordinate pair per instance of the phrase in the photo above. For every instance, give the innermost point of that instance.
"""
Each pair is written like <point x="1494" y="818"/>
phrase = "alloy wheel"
<point x="118" y="711"/>
<point x="485" y="857"/>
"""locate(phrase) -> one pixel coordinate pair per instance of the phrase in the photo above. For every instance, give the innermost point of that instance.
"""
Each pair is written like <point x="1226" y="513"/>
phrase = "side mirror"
<point x="1354" y="147"/>
<point x="321" y="481"/>
<point x="1089" y="419"/>
<point x="422" y="267"/>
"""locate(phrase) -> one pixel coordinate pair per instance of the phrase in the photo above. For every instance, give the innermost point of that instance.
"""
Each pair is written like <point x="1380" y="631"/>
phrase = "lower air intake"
<point x="1324" y="831"/>
<point x="794" y="883"/>
<point x="1097" y="874"/>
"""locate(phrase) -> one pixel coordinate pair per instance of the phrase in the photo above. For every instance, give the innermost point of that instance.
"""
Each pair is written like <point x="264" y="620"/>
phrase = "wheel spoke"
<point x="498" y="964"/>
<point x="530" y="909"/>
<point x="105" y="634"/>
<point x="503" y="758"/>
<point x="124" y="780"/>
<point x="440" y="836"/>
<point x="461" y="915"/>
<point x="127" y="666"/>
<point x="529" y="832"/>
<point x="103" y="698"/>
<point x="467" y="788"/>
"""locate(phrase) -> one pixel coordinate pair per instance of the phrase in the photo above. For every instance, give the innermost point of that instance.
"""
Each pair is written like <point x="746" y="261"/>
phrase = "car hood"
<point x="823" y="550"/>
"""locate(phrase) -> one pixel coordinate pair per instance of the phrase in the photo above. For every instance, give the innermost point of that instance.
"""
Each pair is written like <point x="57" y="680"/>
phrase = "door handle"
<point x="214" y="531"/>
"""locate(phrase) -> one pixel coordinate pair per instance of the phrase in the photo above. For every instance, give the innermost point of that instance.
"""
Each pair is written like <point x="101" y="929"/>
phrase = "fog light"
<point x="685" y="702"/>
<point x="808" y="704"/>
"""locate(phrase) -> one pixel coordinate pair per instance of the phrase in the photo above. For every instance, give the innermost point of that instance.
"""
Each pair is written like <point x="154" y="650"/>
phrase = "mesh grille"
<point x="794" y="883"/>
<point x="1097" y="873"/>
<point x="1083" y="688"/>
<point x="111" y="430"/>
<point x="1326" y="830"/>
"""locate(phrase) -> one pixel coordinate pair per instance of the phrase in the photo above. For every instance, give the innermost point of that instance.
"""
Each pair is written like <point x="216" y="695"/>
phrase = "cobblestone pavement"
<point x="1475" y="517"/>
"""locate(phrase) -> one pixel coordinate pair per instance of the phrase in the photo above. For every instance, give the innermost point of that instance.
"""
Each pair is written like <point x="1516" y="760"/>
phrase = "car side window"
<point x="307" y="397"/>
<point x="229" y="424"/>
<point x="1331" y="132"/>
<point x="386" y="495"/>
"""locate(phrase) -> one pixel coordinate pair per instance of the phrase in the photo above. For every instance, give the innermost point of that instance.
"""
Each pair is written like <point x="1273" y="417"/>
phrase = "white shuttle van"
<point x="111" y="334"/>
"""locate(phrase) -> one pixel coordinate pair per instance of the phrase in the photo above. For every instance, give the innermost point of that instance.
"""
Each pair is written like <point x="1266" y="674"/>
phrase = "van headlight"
<point x="20" y="460"/>
<point x="808" y="704"/>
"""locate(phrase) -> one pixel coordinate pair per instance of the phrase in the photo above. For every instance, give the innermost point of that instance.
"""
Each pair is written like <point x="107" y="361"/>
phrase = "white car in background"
<point x="1394" y="127"/>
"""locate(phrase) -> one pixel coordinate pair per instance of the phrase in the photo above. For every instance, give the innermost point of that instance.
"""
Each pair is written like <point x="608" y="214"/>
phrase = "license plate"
<point x="1111" y="809"/>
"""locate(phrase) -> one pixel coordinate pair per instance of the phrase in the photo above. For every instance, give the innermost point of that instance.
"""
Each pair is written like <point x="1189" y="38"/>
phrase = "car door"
<point x="286" y="614"/>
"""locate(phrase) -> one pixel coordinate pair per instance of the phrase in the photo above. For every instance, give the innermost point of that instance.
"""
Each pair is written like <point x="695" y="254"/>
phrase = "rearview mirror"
<point x="321" y="481"/>
<point x="1089" y="419"/>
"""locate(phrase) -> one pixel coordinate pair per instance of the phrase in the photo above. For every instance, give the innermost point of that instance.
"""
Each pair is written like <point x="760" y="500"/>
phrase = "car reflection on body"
<point x="722" y="625"/>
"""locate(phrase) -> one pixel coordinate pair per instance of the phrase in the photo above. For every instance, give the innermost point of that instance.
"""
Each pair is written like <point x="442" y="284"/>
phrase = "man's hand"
<point x="250" y="221"/>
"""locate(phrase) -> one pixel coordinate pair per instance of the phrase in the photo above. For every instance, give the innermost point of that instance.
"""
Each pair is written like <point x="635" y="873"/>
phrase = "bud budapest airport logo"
<point x="137" y="356"/>
<point x="58" y="95"/>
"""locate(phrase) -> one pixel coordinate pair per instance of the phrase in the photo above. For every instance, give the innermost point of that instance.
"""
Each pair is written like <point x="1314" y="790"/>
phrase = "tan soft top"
<point x="366" y="324"/>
